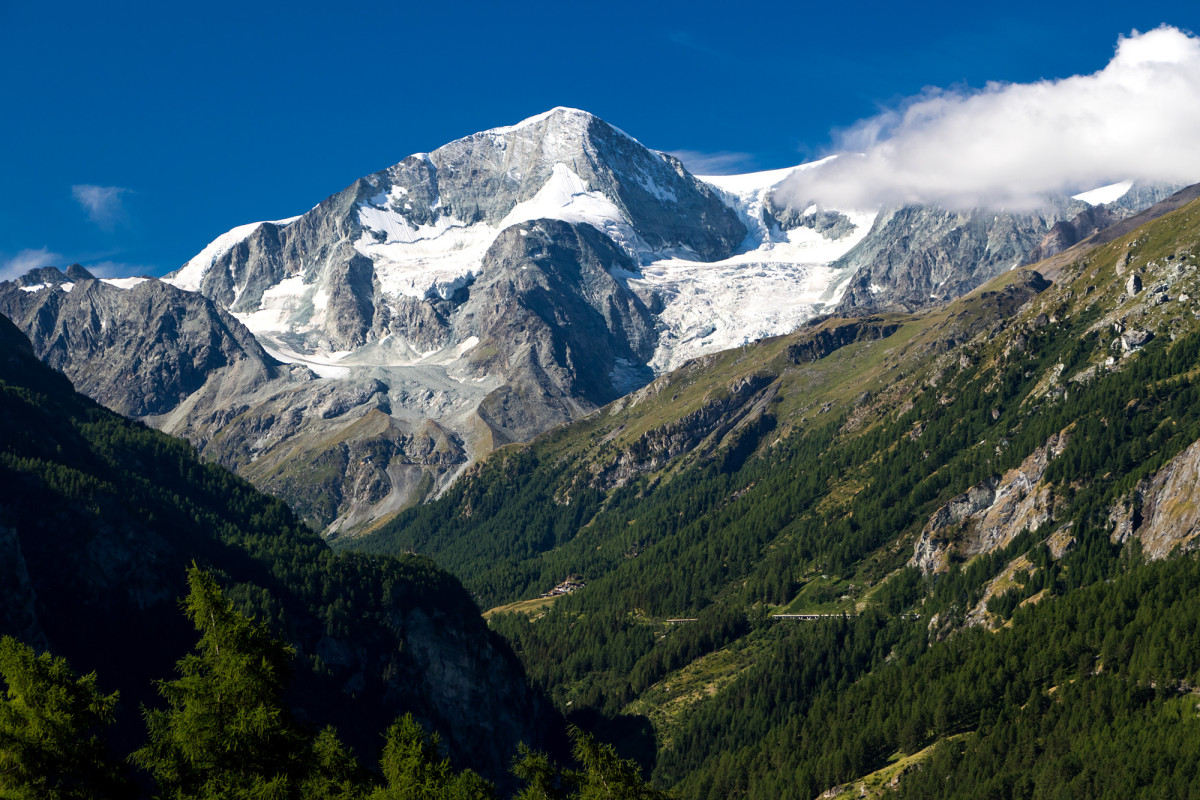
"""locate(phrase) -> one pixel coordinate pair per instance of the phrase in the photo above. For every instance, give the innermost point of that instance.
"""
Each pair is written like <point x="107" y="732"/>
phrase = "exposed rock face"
<point x="347" y="272"/>
<point x="140" y="351"/>
<point x="830" y="223"/>
<point x="826" y="340"/>
<point x="989" y="515"/>
<point x="1164" y="513"/>
<point x="1066" y="233"/>
<point x="919" y="256"/>
<point x="549" y="333"/>
<point x="457" y="301"/>
<point x="552" y="318"/>
<point x="739" y="404"/>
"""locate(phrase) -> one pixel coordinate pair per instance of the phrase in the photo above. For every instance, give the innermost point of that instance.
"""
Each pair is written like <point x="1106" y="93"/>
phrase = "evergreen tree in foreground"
<point x="415" y="769"/>
<point x="50" y="726"/>
<point x="226" y="732"/>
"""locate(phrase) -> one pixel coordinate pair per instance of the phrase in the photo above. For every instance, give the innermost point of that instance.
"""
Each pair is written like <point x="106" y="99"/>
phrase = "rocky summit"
<point x="356" y="358"/>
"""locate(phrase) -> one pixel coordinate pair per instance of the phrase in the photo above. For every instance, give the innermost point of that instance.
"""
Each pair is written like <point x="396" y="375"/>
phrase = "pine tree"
<point x="50" y="726"/>
<point x="332" y="772"/>
<point x="225" y="732"/>
<point x="414" y="768"/>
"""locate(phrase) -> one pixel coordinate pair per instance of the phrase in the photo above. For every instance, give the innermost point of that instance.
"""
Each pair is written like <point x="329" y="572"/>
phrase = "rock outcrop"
<point x="1164" y="512"/>
<point x="139" y="350"/>
<point x="919" y="256"/>
<point x="990" y="514"/>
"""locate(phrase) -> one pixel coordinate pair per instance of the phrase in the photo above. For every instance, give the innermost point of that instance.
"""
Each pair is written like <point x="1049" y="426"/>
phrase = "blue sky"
<point x="134" y="133"/>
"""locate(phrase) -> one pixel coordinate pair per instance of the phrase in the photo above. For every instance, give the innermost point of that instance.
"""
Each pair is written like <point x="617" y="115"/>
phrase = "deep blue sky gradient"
<point x="217" y="114"/>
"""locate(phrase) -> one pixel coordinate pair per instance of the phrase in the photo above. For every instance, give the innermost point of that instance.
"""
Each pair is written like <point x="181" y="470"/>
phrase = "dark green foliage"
<point x="1129" y="648"/>
<point x="414" y="768"/>
<point x="103" y="514"/>
<point x="225" y="732"/>
<point x="1102" y="737"/>
<point x="602" y="774"/>
<point x="331" y="771"/>
<point x="51" y="722"/>
<point x="833" y="503"/>
<point x="605" y="775"/>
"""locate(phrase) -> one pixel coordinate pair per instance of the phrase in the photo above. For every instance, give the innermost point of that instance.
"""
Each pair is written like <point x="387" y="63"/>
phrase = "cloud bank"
<point x="103" y="204"/>
<point x="1010" y="144"/>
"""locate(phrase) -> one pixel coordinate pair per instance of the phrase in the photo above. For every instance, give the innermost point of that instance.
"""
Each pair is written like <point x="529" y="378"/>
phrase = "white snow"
<point x="774" y="283"/>
<point x="324" y="364"/>
<point x="411" y="260"/>
<point x="124" y="283"/>
<point x="466" y="345"/>
<point x="190" y="275"/>
<point x="713" y="307"/>
<point x="571" y="115"/>
<point x="752" y="182"/>
<point x="1105" y="194"/>
<point x="278" y="305"/>
<point x="415" y="260"/>
<point x="66" y="287"/>
<point x="566" y="197"/>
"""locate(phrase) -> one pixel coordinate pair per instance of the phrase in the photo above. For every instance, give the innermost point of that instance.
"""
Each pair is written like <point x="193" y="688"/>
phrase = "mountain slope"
<point x="140" y="347"/>
<point x="354" y="360"/>
<point x="1037" y="438"/>
<point x="918" y="256"/>
<point x="100" y="516"/>
<point x="354" y="269"/>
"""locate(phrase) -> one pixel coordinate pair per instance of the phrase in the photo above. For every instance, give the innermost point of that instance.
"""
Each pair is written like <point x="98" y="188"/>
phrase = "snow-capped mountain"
<point x="356" y="358"/>
<point x="359" y="267"/>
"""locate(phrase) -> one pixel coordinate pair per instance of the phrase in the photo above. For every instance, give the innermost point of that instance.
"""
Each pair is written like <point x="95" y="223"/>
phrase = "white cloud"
<point x="1009" y="144"/>
<point x="26" y="260"/>
<point x="102" y="203"/>
<point x="723" y="162"/>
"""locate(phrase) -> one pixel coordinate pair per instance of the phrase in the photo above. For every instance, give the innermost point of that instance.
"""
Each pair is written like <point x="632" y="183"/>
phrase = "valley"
<point x="544" y="441"/>
<point x="376" y="346"/>
<point x="927" y="476"/>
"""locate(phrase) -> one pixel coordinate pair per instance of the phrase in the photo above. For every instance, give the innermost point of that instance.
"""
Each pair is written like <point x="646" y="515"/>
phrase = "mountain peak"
<point x="557" y="115"/>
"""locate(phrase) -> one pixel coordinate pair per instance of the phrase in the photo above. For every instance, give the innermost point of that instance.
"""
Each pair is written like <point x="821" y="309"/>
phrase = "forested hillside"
<point x="100" y="517"/>
<point x="979" y="497"/>
<point x="226" y="731"/>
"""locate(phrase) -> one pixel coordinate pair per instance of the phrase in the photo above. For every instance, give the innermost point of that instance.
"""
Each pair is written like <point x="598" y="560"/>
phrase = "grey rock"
<point x="477" y="179"/>
<point x="1133" y="339"/>
<point x="919" y="256"/>
<point x="990" y="514"/>
<point x="139" y="351"/>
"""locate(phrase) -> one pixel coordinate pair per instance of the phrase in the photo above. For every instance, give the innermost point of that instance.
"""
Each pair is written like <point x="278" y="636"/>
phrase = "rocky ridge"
<point x="477" y="295"/>
<point x="916" y="257"/>
<point x="990" y="514"/>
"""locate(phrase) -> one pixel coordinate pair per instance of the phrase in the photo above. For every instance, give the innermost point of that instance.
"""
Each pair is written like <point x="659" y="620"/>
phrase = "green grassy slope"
<point x="796" y="474"/>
